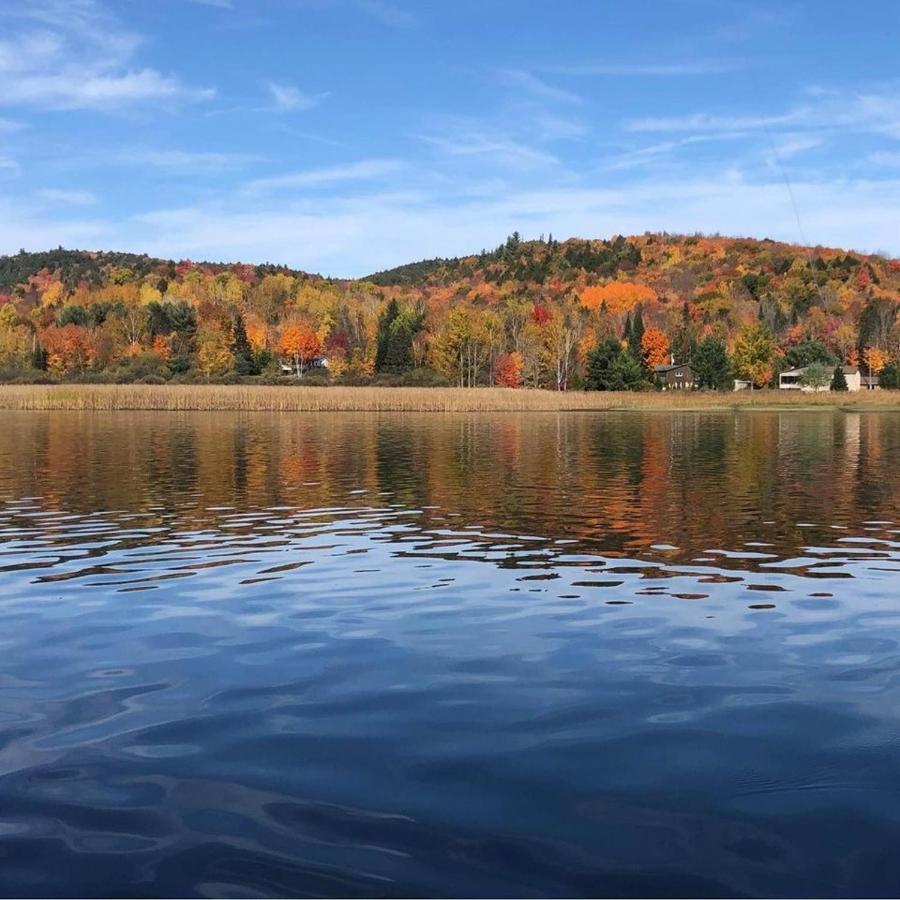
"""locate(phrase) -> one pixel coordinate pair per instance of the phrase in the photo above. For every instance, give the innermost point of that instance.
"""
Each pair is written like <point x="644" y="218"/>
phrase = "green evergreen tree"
<point x="710" y="365"/>
<point x="637" y="334"/>
<point x="396" y="331"/>
<point x="244" y="359"/>
<point x="684" y="342"/>
<point x="383" y="341"/>
<point x="889" y="376"/>
<point x="839" y="380"/>
<point x="611" y="368"/>
<point x="600" y="362"/>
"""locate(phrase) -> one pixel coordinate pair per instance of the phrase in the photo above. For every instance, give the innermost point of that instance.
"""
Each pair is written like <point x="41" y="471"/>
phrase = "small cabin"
<point x="677" y="376"/>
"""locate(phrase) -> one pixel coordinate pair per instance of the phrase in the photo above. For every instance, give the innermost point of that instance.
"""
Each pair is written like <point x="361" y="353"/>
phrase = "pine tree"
<point x="244" y="363"/>
<point x="383" y="343"/>
<point x="839" y="380"/>
<point x="710" y="365"/>
<point x="637" y="334"/>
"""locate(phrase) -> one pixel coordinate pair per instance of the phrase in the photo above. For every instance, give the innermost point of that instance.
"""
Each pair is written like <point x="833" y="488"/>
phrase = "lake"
<point x="498" y="654"/>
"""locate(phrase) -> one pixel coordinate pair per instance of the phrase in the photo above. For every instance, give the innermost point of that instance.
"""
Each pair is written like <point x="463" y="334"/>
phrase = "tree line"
<point x="597" y="315"/>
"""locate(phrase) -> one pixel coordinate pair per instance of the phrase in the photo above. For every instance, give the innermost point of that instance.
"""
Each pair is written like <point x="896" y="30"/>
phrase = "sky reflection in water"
<point x="389" y="655"/>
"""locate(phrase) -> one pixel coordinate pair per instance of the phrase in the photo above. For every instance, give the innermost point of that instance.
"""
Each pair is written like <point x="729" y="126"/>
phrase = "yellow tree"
<point x="875" y="360"/>
<point x="753" y="353"/>
<point x="213" y="356"/>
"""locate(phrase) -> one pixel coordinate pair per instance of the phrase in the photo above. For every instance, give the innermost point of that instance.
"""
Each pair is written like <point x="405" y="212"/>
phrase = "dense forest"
<point x="596" y="314"/>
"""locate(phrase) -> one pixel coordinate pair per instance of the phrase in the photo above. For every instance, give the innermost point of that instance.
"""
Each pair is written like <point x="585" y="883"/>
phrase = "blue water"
<point x="341" y="655"/>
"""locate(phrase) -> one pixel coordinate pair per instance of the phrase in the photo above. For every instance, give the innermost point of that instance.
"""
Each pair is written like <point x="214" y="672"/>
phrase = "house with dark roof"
<point x="675" y="376"/>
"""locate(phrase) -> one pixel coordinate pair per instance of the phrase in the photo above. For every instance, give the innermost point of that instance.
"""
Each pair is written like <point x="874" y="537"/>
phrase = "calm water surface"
<point x="580" y="654"/>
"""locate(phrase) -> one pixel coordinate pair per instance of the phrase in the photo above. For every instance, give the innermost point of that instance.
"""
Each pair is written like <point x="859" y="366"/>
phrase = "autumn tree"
<point x="213" y="356"/>
<point x="508" y="370"/>
<point x="874" y="360"/>
<point x="619" y="296"/>
<point x="300" y="343"/>
<point x="654" y="348"/>
<point x="753" y="355"/>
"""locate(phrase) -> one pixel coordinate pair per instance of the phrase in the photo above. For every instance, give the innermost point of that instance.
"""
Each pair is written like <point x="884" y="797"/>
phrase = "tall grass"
<point x="405" y="399"/>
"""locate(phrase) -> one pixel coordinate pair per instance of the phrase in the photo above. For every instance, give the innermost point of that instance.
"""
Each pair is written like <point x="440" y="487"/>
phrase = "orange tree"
<point x="301" y="343"/>
<point x="654" y="348"/>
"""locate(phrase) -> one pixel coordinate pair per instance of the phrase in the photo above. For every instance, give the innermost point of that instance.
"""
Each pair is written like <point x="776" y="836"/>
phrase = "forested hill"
<point x="526" y="313"/>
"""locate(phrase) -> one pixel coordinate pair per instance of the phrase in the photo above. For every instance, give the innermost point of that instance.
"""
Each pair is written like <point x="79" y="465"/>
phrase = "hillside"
<point x="527" y="313"/>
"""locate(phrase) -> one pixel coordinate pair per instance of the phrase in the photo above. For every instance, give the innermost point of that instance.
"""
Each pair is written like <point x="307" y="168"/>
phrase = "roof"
<point x="850" y="370"/>
<point x="799" y="371"/>
<point x="669" y="368"/>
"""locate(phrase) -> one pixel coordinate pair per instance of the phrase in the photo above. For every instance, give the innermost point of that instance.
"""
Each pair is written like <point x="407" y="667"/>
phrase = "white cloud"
<point x="363" y="170"/>
<point x="537" y="87"/>
<point x="71" y="54"/>
<point x="66" y="197"/>
<point x="354" y="235"/>
<point x="288" y="98"/>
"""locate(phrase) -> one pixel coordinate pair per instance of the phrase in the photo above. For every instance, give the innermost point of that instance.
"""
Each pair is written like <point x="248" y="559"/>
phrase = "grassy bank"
<point x="370" y="399"/>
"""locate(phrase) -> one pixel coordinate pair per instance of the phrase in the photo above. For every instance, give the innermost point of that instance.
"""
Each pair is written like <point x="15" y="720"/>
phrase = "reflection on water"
<point x="603" y="654"/>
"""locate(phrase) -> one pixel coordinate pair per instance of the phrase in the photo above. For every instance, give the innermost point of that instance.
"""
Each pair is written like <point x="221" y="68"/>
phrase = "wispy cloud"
<point x="66" y="197"/>
<point x="709" y="123"/>
<point x="186" y="160"/>
<point x="888" y="159"/>
<point x="506" y="151"/>
<point x="388" y="13"/>
<point x="397" y="228"/>
<point x="872" y="110"/>
<point x="364" y="170"/>
<point x="536" y="87"/>
<point x="645" y="70"/>
<point x="72" y="54"/>
<point x="288" y="98"/>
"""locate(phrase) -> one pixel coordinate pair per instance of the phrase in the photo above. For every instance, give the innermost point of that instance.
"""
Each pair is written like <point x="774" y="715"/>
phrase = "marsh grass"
<point x="298" y="398"/>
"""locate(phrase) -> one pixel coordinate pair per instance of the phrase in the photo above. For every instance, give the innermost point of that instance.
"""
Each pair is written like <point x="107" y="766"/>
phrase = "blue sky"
<point x="346" y="136"/>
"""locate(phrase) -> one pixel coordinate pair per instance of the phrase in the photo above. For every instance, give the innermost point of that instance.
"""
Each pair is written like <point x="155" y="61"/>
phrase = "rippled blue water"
<point x="479" y="655"/>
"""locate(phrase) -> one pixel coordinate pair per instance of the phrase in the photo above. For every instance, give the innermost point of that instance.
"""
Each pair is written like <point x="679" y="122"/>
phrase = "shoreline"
<point x="297" y="398"/>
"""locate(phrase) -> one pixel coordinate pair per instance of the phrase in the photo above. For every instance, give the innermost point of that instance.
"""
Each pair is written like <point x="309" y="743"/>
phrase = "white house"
<point x="791" y="380"/>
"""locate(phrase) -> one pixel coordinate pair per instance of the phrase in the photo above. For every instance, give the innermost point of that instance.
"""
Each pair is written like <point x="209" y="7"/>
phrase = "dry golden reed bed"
<point x="406" y="399"/>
